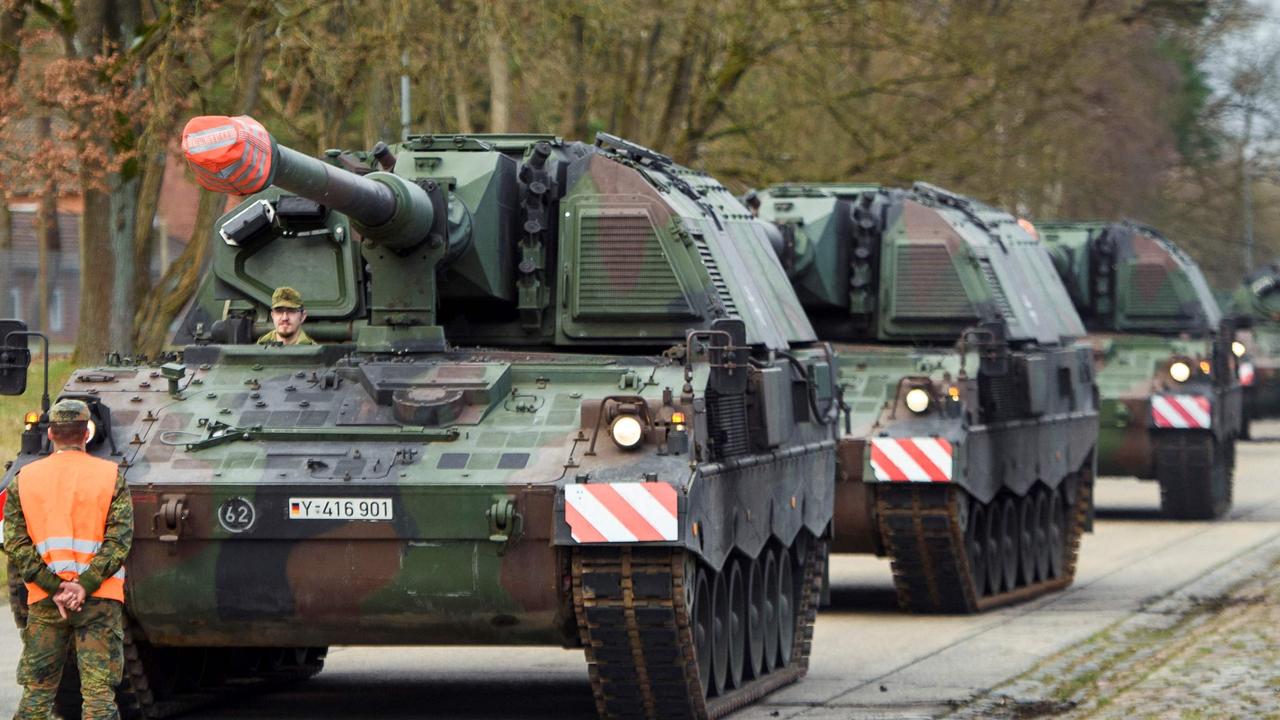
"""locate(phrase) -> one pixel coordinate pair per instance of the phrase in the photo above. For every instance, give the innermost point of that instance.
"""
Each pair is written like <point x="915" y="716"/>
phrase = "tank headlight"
<point x="1204" y="366"/>
<point x="626" y="431"/>
<point x="93" y="431"/>
<point x="917" y="400"/>
<point x="1180" y="371"/>
<point x="1237" y="348"/>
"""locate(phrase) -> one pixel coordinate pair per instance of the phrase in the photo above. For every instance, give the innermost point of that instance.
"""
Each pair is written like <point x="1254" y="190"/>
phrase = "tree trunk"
<point x="97" y="261"/>
<point x="6" y="221"/>
<point x="144" y="236"/>
<point x="180" y="280"/>
<point x="681" y="79"/>
<point x="462" y="112"/>
<point x="97" y="277"/>
<point x="48" y="239"/>
<point x="123" y="210"/>
<point x="499" y="79"/>
<point x="578" y="114"/>
<point x="12" y="17"/>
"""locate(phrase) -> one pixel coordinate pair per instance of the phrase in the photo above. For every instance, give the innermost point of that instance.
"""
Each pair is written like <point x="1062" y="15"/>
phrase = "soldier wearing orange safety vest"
<point x="68" y="526"/>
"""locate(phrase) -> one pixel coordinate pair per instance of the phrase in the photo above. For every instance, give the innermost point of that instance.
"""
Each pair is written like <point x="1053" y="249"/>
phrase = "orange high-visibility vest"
<point x="65" y="500"/>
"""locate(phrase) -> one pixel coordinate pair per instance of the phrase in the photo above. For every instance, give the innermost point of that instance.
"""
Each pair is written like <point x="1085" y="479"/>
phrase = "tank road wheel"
<point x="975" y="546"/>
<point x="1008" y="545"/>
<point x="1041" y="519"/>
<point x="1195" y="475"/>
<point x="702" y="627"/>
<point x="786" y="609"/>
<point x="1027" y="538"/>
<point x="721" y="623"/>
<point x="757" y="609"/>
<point x="737" y="623"/>
<point x="772" y="599"/>
<point x="1056" y="532"/>
<point x="991" y="548"/>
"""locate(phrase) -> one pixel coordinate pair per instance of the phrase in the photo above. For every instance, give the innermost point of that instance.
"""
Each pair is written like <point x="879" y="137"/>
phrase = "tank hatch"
<point x="426" y="396"/>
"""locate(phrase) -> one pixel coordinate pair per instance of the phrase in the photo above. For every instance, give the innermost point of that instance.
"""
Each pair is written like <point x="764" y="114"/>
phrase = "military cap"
<point x="286" y="297"/>
<point x="69" y="411"/>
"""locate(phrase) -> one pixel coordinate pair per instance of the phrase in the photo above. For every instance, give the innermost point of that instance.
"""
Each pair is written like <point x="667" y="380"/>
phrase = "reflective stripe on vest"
<point x="65" y="500"/>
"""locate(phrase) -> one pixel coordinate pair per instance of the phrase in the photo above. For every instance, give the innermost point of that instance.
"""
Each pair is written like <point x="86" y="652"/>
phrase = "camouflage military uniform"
<point x="97" y="629"/>
<point x="303" y="338"/>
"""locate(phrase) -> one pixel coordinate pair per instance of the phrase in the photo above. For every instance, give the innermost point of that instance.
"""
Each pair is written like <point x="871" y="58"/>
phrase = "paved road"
<point x="869" y="659"/>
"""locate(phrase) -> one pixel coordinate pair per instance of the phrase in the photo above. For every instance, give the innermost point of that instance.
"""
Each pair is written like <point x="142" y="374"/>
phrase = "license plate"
<point x="340" y="509"/>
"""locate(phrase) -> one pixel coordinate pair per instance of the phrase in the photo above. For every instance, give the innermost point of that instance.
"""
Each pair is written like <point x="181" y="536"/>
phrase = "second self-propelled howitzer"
<point x="966" y="455"/>
<point x="558" y="399"/>
<point x="1167" y="373"/>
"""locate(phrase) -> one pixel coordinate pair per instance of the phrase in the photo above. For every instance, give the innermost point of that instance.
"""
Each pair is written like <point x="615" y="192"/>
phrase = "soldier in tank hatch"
<point x="287" y="315"/>
<point x="68" y="526"/>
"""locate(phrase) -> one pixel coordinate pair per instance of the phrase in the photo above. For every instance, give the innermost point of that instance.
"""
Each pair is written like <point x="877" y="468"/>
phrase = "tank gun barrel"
<point x="238" y="155"/>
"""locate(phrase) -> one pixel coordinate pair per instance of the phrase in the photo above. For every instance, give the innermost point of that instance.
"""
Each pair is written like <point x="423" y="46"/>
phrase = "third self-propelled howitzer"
<point x="1171" y="397"/>
<point x="1255" y="309"/>
<point x="966" y="454"/>
<point x="564" y="394"/>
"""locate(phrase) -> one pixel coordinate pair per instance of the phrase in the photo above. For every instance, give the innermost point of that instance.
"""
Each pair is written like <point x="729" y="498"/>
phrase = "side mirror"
<point x="15" y="357"/>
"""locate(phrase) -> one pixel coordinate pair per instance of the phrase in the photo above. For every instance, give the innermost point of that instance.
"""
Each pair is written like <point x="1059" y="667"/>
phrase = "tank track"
<point x="634" y="611"/>
<point x="1196" y="475"/>
<point x="926" y="534"/>
<point x="259" y="669"/>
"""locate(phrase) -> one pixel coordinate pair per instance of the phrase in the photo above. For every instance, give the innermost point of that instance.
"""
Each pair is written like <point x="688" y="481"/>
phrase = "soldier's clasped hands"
<point x="70" y="596"/>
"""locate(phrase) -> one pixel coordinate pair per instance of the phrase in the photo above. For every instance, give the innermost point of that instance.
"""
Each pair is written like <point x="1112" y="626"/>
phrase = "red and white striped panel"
<point x="1246" y="374"/>
<point x="922" y="459"/>
<point x="621" y="512"/>
<point x="4" y="497"/>
<point x="1181" y="411"/>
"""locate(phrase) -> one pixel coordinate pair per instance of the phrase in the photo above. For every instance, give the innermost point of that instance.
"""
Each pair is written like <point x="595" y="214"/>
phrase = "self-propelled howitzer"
<point x="1255" y="309"/>
<point x="1167" y="374"/>
<point x="966" y="456"/>
<point x="638" y="460"/>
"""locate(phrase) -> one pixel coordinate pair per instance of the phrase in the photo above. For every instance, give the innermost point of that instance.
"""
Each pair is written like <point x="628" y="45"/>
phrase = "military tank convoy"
<point x="579" y="395"/>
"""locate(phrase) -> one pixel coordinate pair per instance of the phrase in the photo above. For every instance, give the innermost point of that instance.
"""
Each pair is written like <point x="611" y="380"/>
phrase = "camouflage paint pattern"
<point x="97" y="632"/>
<point x="928" y="269"/>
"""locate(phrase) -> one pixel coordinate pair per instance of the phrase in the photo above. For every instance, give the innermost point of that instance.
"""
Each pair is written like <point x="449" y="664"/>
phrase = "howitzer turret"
<point x="508" y="239"/>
